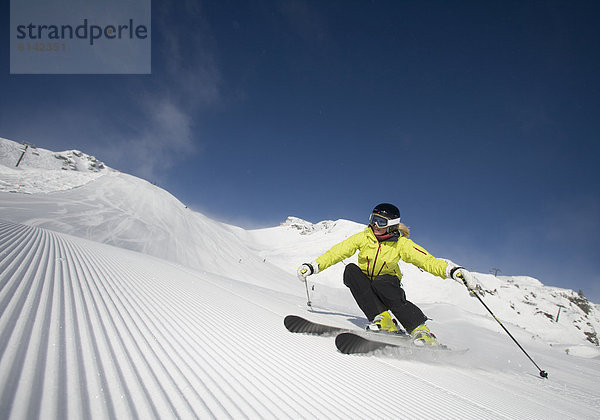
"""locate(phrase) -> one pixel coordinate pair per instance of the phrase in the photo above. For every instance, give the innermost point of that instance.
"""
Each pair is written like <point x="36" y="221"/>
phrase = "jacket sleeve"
<point x="417" y="255"/>
<point x="337" y="253"/>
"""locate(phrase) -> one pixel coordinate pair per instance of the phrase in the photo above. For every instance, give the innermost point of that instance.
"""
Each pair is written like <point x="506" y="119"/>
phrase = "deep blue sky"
<point x="479" y="120"/>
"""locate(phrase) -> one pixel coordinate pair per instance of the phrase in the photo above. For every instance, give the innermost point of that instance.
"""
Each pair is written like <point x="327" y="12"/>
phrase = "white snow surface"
<point x="117" y="301"/>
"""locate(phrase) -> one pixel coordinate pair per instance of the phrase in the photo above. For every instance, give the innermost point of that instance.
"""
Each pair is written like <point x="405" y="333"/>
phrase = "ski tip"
<point x="297" y="324"/>
<point x="350" y="343"/>
<point x="344" y="342"/>
<point x="291" y="322"/>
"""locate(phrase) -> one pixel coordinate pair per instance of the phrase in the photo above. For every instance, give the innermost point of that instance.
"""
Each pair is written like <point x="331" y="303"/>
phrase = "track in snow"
<point x="83" y="333"/>
<point x="89" y="330"/>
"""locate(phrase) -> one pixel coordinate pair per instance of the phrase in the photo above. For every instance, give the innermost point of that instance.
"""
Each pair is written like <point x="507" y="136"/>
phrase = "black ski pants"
<point x="381" y="294"/>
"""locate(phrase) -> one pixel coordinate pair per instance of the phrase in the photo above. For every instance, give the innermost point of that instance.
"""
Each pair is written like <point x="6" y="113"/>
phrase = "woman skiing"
<point x="375" y="282"/>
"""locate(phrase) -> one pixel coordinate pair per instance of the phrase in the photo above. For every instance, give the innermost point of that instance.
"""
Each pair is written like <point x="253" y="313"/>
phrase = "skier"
<point x="375" y="282"/>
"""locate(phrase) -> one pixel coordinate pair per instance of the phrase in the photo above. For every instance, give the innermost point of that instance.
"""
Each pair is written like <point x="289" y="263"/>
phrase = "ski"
<point x="297" y="324"/>
<point x="351" y="343"/>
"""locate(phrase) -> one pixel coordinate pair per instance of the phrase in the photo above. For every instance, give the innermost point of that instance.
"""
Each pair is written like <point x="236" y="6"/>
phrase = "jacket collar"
<point x="393" y="237"/>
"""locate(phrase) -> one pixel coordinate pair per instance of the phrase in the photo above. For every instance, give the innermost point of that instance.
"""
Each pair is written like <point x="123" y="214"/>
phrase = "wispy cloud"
<point x="143" y="124"/>
<point x="185" y="79"/>
<point x="166" y="137"/>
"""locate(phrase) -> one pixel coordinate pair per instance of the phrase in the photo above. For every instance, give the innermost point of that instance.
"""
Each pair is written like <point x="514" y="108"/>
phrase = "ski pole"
<point x="543" y="373"/>
<point x="307" y="294"/>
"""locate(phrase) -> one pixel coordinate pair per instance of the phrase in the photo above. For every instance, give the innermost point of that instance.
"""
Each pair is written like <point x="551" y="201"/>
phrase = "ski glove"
<point x="466" y="278"/>
<point x="461" y="275"/>
<point x="307" y="269"/>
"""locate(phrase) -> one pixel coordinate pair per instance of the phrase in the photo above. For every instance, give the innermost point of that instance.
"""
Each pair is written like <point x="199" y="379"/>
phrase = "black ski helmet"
<point x="385" y="215"/>
<point x="387" y="210"/>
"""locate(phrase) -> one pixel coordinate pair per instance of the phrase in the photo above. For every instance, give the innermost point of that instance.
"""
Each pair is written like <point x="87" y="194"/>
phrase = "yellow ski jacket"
<point x="379" y="258"/>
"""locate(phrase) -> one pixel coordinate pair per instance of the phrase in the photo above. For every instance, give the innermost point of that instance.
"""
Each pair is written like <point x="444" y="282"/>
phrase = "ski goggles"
<point x="381" y="222"/>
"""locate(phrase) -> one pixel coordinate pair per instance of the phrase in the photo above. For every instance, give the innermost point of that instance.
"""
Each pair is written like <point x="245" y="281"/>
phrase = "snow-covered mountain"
<point x="118" y="301"/>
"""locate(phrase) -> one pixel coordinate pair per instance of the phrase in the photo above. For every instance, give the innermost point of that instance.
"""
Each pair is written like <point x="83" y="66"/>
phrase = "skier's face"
<point x="379" y="231"/>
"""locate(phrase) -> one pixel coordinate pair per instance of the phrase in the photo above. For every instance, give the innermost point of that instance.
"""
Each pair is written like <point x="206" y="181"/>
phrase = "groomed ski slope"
<point x="88" y="330"/>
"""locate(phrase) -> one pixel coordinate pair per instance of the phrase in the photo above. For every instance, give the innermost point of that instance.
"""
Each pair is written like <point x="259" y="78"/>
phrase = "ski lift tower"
<point x="24" y="148"/>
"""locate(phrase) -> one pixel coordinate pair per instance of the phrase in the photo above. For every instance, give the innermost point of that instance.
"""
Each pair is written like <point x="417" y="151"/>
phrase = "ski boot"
<point x="423" y="337"/>
<point x="383" y="323"/>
